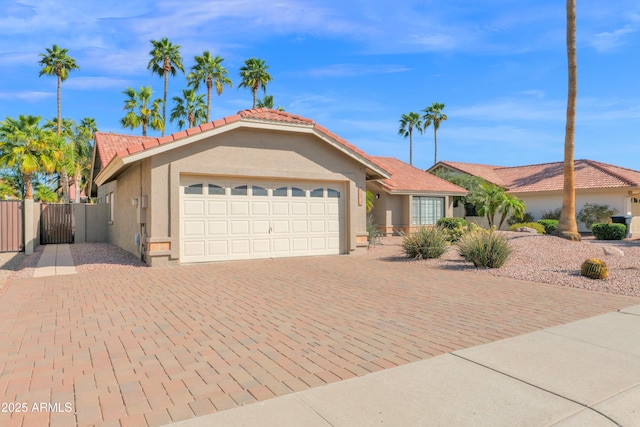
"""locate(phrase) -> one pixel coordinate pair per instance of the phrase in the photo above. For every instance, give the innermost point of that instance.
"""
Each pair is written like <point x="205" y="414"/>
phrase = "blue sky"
<point x="355" y="67"/>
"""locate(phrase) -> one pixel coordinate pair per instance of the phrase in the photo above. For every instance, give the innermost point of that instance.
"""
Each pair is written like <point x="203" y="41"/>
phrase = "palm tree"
<point x="26" y="146"/>
<point x="190" y="107"/>
<point x="84" y="133"/>
<point x="165" y="60"/>
<point x="409" y="122"/>
<point x="254" y="76"/>
<point x="210" y="71"/>
<point x="490" y="198"/>
<point x="268" y="103"/>
<point x="57" y="63"/>
<point x="433" y="115"/>
<point x="142" y="111"/>
<point x="567" y="225"/>
<point x="510" y="205"/>
<point x="62" y="143"/>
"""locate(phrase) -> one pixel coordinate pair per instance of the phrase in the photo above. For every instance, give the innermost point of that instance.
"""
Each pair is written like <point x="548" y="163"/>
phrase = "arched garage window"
<point x="193" y="189"/>
<point x="318" y="192"/>
<point x="258" y="191"/>
<point x="297" y="192"/>
<point x="333" y="193"/>
<point x="426" y="210"/>
<point x="216" y="190"/>
<point x="280" y="192"/>
<point x="240" y="190"/>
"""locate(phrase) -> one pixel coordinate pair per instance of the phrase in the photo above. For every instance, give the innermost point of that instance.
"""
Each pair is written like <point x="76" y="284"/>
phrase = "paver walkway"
<point x="152" y="346"/>
<point x="56" y="260"/>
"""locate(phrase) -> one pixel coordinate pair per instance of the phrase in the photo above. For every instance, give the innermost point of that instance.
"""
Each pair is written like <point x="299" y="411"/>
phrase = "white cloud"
<point x="608" y="41"/>
<point x="354" y="70"/>
<point x="29" y="96"/>
<point x="83" y="83"/>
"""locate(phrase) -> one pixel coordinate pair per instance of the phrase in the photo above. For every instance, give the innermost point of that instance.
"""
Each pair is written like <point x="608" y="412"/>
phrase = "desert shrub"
<point x="609" y="231"/>
<point x="551" y="214"/>
<point x="485" y="248"/>
<point x="592" y="213"/>
<point x="451" y="223"/>
<point x="536" y="226"/>
<point x="550" y="225"/>
<point x="426" y="243"/>
<point x="594" y="269"/>
<point x="525" y="217"/>
<point x="373" y="231"/>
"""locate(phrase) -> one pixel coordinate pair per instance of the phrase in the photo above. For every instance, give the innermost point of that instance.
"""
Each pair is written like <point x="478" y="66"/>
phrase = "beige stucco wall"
<point x="537" y="203"/>
<point x="248" y="153"/>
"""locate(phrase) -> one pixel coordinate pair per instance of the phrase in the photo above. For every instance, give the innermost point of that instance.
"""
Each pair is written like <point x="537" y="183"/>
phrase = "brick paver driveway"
<point x="151" y="346"/>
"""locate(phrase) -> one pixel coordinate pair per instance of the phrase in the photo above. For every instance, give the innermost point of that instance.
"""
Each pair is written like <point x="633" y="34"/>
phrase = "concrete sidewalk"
<point x="56" y="260"/>
<point x="581" y="373"/>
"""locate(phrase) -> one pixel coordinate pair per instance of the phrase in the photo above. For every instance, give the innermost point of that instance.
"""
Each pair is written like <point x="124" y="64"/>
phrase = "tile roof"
<point x="589" y="174"/>
<point x="110" y="145"/>
<point x="405" y="177"/>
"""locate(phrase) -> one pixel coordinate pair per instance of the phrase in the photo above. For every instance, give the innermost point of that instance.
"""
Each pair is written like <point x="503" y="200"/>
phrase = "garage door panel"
<point x="217" y="228"/>
<point x="194" y="248"/>
<point x="217" y="208"/>
<point x="193" y="228"/>
<point x="260" y="220"/>
<point x="194" y="208"/>
<point x="280" y="208"/>
<point x="298" y="208"/>
<point x="260" y="226"/>
<point x="260" y="208"/>
<point x="317" y="226"/>
<point x="239" y="208"/>
<point x="240" y="227"/>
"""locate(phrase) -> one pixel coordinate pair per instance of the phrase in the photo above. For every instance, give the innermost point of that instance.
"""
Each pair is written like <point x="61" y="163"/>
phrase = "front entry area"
<point x="231" y="219"/>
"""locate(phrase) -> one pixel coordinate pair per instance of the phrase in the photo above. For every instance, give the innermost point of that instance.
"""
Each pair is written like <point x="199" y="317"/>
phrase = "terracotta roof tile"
<point x="405" y="177"/>
<point x="110" y="144"/>
<point x="589" y="174"/>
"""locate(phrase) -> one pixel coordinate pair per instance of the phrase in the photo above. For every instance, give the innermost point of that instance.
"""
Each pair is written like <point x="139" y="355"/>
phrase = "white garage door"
<point x="232" y="219"/>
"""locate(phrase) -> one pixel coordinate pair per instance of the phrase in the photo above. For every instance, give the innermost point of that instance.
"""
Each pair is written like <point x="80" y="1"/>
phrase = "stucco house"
<point x="258" y="184"/>
<point x="540" y="185"/>
<point x="410" y="198"/>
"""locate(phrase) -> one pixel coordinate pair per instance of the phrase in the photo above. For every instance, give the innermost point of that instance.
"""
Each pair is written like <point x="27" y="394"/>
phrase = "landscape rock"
<point x="610" y="250"/>
<point x="527" y="230"/>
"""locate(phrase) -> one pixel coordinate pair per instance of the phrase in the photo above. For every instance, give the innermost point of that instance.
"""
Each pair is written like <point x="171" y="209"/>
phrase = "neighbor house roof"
<point x="589" y="174"/>
<point x="408" y="179"/>
<point x="118" y="150"/>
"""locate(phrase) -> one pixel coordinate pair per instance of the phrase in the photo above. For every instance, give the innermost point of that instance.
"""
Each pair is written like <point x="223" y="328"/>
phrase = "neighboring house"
<point x="540" y="186"/>
<point x="258" y="184"/>
<point x="410" y="198"/>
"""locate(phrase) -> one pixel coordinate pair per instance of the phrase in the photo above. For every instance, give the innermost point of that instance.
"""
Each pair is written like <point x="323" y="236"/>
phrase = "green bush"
<point x="550" y="225"/>
<point x="373" y="231"/>
<point x="536" y="226"/>
<point x="426" y="243"/>
<point x="485" y="248"/>
<point x="451" y="223"/>
<point x="526" y="217"/>
<point x="592" y="213"/>
<point x="609" y="231"/>
<point x="551" y="214"/>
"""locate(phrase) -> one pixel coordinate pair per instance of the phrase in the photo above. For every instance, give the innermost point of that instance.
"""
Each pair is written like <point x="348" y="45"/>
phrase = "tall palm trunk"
<point x="28" y="184"/>
<point x="59" y="108"/>
<point x="435" y="145"/>
<point x="255" y="96"/>
<point x="209" y="86"/>
<point x="410" y="146"/>
<point x="567" y="226"/>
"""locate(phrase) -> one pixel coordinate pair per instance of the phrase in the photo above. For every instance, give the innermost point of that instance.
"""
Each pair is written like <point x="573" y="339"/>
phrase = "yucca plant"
<point x="426" y="243"/>
<point x="485" y="248"/>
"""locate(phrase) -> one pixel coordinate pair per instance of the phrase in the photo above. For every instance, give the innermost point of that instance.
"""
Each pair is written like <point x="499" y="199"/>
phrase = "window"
<point x="258" y="191"/>
<point x="333" y="193"/>
<point x="216" y="190"/>
<point x="318" y="192"/>
<point x="427" y="210"/>
<point x="280" y="192"/>
<point x="193" y="189"/>
<point x="240" y="190"/>
<point x="112" y="207"/>
<point x="297" y="192"/>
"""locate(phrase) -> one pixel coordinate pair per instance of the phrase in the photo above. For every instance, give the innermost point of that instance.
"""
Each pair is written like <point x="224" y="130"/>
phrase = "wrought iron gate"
<point x="56" y="223"/>
<point x="11" y="226"/>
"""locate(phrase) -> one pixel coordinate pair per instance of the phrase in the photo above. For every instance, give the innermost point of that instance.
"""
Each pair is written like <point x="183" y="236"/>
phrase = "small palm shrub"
<point x="373" y="231"/>
<point x="426" y="243"/>
<point x="594" y="269"/>
<point x="550" y="225"/>
<point x="485" y="248"/>
<point x="609" y="231"/>
<point x="536" y="226"/>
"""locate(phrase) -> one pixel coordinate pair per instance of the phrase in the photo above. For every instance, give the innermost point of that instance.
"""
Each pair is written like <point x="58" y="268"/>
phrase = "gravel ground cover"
<point x="549" y="259"/>
<point x="90" y="257"/>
